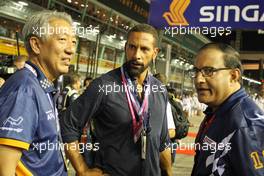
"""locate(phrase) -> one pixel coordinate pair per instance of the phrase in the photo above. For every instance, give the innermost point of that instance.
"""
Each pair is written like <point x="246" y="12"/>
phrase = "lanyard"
<point x="128" y="83"/>
<point x="142" y="111"/>
<point x="205" y="126"/>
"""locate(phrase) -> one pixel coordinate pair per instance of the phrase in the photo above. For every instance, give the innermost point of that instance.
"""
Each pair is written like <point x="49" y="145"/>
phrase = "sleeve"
<point x="171" y="124"/>
<point x="247" y="151"/>
<point x="18" y="118"/>
<point x="164" y="138"/>
<point x="81" y="111"/>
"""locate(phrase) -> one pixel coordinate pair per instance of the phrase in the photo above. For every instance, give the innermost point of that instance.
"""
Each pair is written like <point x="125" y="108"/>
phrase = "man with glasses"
<point x="230" y="139"/>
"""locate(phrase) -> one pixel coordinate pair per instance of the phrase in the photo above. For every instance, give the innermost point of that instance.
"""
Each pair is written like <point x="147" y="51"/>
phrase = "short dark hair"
<point x="231" y="56"/>
<point x="147" y="29"/>
<point x="88" y="78"/>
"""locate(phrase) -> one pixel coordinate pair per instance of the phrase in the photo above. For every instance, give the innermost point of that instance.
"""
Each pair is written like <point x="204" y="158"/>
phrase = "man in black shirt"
<point x="128" y="108"/>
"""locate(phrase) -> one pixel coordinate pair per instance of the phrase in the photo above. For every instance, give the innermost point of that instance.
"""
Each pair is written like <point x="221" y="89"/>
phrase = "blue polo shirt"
<point x="230" y="141"/>
<point x="28" y="120"/>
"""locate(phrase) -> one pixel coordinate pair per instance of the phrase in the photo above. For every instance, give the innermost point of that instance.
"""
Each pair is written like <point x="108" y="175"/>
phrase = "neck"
<point x="42" y="67"/>
<point x="235" y="89"/>
<point x="140" y="79"/>
<point x="75" y="87"/>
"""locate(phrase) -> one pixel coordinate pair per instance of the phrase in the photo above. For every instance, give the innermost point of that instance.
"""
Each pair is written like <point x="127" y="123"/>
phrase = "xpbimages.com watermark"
<point x="212" y="31"/>
<point x="82" y="147"/>
<point x="212" y="147"/>
<point x="77" y="30"/>
<point x="115" y="88"/>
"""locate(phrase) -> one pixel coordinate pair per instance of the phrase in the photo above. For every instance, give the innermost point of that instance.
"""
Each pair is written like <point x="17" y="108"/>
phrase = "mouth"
<point x="66" y="61"/>
<point x="136" y="64"/>
<point x="203" y="90"/>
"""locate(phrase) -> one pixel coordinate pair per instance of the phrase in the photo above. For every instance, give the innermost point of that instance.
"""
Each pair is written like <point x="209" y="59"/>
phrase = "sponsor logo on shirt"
<point x="50" y="115"/>
<point x="11" y="123"/>
<point x="259" y="117"/>
<point x="208" y="140"/>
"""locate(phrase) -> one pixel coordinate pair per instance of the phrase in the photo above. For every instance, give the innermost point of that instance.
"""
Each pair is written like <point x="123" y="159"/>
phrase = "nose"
<point x="137" y="54"/>
<point x="71" y="48"/>
<point x="199" y="78"/>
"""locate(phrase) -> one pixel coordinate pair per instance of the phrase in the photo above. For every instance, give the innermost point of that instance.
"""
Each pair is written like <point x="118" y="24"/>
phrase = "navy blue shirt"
<point x="231" y="140"/>
<point x="28" y="120"/>
<point x="105" y="102"/>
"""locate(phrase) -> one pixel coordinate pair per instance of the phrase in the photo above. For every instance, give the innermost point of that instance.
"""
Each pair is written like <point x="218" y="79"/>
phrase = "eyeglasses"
<point x="206" y="71"/>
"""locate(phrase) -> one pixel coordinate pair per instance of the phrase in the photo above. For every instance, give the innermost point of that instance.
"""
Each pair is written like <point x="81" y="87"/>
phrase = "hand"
<point x="91" y="172"/>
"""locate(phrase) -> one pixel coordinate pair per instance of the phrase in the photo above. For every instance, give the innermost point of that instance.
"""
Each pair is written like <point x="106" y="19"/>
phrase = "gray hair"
<point x="40" y="20"/>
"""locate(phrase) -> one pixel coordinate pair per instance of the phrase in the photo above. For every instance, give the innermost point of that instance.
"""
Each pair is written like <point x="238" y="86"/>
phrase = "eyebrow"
<point x="141" y="46"/>
<point x="67" y="34"/>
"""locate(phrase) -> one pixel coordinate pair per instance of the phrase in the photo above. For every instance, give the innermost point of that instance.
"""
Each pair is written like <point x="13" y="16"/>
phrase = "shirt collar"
<point x="45" y="84"/>
<point x="227" y="104"/>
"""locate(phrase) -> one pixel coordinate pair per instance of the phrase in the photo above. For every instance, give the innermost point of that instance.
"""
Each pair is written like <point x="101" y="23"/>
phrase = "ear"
<point x="235" y="75"/>
<point x="125" y="46"/>
<point x="156" y="52"/>
<point x="35" y="45"/>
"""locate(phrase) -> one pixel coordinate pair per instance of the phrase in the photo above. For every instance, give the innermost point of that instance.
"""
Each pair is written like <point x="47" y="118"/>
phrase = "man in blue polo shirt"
<point x="29" y="129"/>
<point x="230" y="139"/>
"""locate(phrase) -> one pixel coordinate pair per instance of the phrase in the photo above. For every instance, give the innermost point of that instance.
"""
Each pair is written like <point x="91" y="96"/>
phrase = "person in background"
<point x="70" y="93"/>
<point x="73" y="89"/>
<point x="86" y="83"/>
<point x="29" y="131"/>
<point x="259" y="99"/>
<point x="2" y="81"/>
<point x="20" y="61"/>
<point x="171" y="125"/>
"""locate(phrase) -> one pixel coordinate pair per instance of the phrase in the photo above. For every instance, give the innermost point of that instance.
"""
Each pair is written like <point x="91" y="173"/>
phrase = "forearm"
<point x="165" y="161"/>
<point x="172" y="133"/>
<point x="77" y="160"/>
<point x="9" y="159"/>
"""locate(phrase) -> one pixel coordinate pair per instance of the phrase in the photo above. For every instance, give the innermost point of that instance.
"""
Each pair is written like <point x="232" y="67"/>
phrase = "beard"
<point x="135" y="68"/>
